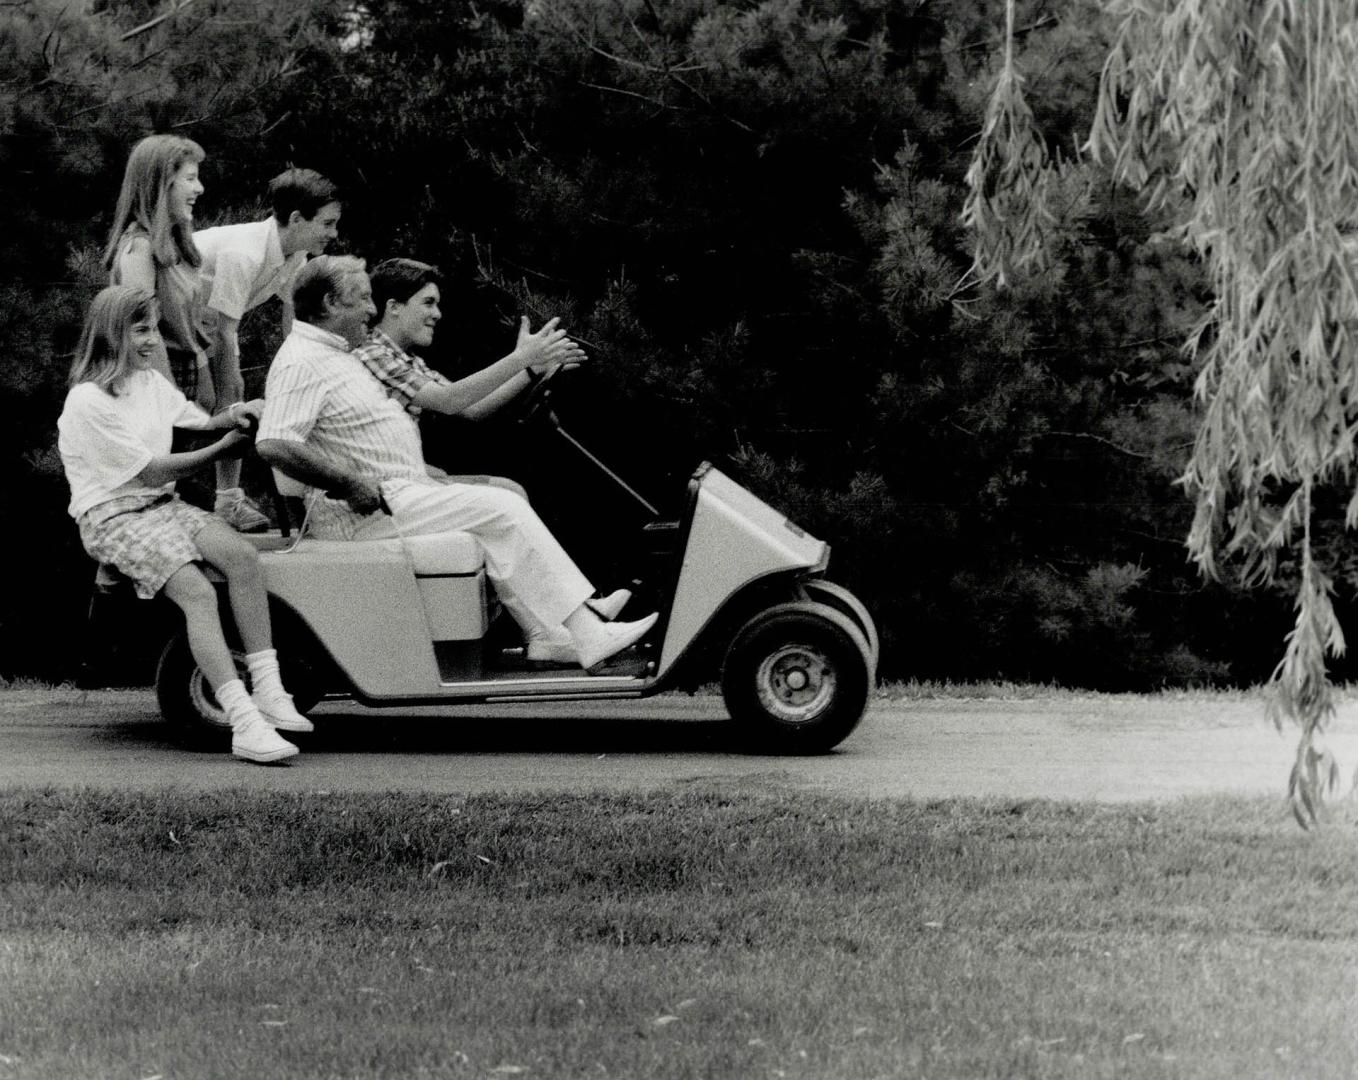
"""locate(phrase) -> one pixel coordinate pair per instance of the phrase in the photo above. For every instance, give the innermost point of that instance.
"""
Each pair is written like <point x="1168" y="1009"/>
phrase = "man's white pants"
<point x="528" y="567"/>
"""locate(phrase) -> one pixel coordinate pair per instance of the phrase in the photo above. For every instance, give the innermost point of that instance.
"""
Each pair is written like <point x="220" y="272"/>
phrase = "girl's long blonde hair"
<point x="104" y="354"/>
<point x="143" y="200"/>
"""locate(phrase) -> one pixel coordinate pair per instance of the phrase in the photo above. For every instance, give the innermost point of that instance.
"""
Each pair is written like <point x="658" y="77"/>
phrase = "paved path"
<point x="1111" y="748"/>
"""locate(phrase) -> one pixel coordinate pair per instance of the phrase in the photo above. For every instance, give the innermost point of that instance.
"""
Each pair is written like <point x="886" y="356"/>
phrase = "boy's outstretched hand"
<point x="548" y="347"/>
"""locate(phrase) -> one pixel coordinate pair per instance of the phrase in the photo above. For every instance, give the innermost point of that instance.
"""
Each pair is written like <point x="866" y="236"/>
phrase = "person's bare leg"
<point x="252" y="739"/>
<point x="194" y="595"/>
<point x="239" y="562"/>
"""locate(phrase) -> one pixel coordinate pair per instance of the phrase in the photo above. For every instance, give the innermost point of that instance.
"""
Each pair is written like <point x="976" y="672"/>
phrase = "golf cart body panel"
<point x="379" y="607"/>
<point x="391" y="613"/>
<point x="733" y="539"/>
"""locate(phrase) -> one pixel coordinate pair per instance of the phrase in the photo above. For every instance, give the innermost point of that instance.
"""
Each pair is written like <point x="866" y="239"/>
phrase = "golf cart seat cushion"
<point x="433" y="555"/>
<point x="445" y="553"/>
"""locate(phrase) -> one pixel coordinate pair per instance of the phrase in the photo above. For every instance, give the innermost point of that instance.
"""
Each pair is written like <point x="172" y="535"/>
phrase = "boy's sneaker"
<point x="256" y="741"/>
<point x="241" y="514"/>
<point x="279" y="712"/>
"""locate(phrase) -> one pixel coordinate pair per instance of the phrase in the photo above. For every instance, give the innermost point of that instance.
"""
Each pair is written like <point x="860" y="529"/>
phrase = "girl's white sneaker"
<point x="280" y="712"/>
<point x="255" y="740"/>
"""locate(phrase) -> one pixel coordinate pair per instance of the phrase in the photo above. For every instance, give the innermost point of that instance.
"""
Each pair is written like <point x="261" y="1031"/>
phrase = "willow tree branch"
<point x="1106" y="442"/>
<point x="144" y="27"/>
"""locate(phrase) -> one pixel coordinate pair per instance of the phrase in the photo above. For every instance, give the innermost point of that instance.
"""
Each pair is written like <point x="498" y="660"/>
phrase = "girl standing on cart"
<point x="114" y="437"/>
<point x="151" y="247"/>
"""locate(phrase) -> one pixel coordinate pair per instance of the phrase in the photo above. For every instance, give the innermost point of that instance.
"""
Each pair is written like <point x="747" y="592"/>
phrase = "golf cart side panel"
<point x="733" y="539"/>
<point x="363" y="604"/>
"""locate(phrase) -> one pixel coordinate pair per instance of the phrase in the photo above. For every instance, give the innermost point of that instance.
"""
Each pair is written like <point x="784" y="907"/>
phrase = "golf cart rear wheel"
<point x="186" y="699"/>
<point x="796" y="679"/>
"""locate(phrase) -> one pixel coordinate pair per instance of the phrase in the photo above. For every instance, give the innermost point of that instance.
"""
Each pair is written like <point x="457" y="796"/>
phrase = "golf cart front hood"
<point x="733" y="540"/>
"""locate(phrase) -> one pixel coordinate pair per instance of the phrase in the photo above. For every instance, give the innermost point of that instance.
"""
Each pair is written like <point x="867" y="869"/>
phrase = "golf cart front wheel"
<point x="796" y="678"/>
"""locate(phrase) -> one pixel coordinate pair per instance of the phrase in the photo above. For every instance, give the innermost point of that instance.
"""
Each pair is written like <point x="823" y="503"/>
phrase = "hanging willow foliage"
<point x="1007" y="181"/>
<point x="1241" y="117"/>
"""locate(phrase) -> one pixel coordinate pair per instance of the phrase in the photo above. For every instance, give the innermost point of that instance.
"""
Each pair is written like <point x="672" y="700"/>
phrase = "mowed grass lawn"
<point x="691" y="935"/>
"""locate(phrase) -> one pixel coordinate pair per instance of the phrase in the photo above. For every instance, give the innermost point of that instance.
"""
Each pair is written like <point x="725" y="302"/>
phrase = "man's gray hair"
<point x="322" y="277"/>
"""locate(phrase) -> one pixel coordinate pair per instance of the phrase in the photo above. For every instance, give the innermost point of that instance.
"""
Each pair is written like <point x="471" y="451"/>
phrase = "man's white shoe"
<point x="550" y="650"/>
<point x="610" y="607"/>
<point x="256" y="741"/>
<point x="602" y="640"/>
<point x="279" y="711"/>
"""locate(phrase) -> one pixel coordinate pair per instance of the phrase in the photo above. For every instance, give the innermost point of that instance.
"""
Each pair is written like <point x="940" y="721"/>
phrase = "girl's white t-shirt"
<point x="105" y="441"/>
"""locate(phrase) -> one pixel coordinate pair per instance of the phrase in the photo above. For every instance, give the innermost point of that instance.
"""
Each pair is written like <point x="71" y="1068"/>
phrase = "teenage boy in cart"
<point x="407" y="296"/>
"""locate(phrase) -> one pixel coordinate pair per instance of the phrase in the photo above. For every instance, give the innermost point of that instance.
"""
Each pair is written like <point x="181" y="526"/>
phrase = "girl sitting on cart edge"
<point x="114" y="437"/>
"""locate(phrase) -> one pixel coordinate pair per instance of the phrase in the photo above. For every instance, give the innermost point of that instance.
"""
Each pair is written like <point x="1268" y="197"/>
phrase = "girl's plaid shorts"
<point x="146" y="542"/>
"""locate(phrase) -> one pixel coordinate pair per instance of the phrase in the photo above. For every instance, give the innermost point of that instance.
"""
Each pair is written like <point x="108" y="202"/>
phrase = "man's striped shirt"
<point x="319" y="394"/>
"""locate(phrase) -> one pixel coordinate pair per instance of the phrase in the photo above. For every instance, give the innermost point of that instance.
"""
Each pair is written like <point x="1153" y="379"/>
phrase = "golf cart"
<point x="412" y="621"/>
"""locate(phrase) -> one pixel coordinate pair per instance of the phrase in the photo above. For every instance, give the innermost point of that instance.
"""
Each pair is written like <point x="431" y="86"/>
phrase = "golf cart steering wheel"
<point x="539" y="394"/>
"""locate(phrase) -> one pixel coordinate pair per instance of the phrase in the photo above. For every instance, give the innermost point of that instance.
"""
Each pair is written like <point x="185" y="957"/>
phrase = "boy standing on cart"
<point x="245" y="265"/>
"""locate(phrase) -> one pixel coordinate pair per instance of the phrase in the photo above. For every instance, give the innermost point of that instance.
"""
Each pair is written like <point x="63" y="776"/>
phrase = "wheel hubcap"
<point x="796" y="683"/>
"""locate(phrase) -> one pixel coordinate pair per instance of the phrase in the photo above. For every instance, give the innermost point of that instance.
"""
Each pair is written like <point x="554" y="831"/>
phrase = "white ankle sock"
<point x="226" y="496"/>
<point x="235" y="702"/>
<point x="264" y="676"/>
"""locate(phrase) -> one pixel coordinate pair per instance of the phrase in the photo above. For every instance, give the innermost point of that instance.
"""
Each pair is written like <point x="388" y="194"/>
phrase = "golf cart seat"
<point x="431" y="555"/>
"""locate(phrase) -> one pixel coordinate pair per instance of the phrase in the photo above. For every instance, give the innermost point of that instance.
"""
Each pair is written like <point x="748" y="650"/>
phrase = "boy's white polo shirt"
<point x="243" y="265"/>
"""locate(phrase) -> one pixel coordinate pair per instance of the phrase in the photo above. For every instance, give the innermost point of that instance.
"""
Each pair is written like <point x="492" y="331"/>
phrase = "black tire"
<point x="796" y="679"/>
<point x="188" y="703"/>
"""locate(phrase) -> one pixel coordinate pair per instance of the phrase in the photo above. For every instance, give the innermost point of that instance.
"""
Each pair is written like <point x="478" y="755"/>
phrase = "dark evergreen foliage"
<point x="749" y="212"/>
